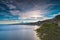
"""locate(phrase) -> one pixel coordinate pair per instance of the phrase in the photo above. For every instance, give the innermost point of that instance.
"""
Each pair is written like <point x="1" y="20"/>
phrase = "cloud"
<point x="11" y="6"/>
<point x="55" y="14"/>
<point x="28" y="10"/>
<point x="15" y="12"/>
<point x="32" y="13"/>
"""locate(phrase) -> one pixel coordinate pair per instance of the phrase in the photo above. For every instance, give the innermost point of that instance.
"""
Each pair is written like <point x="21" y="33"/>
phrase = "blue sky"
<point x="28" y="10"/>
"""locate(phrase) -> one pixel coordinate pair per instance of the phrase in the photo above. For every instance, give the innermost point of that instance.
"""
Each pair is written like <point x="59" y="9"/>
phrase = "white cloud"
<point x="36" y="15"/>
<point x="11" y="6"/>
<point x="56" y="14"/>
<point x="32" y="13"/>
<point x="15" y="12"/>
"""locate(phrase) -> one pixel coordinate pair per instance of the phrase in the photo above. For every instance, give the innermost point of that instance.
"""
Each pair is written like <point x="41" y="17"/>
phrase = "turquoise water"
<point x="17" y="32"/>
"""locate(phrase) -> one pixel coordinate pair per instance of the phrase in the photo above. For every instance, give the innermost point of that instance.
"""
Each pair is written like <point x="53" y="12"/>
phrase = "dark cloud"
<point x="5" y="12"/>
<point x="11" y="9"/>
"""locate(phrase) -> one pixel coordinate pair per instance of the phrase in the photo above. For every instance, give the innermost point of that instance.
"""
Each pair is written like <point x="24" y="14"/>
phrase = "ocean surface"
<point x="18" y="32"/>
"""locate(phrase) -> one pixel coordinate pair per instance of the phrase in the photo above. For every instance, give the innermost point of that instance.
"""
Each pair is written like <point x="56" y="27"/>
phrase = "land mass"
<point x="50" y="29"/>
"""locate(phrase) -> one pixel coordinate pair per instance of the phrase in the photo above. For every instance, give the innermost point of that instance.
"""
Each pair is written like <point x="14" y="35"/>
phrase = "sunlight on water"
<point x="35" y="34"/>
<point x="35" y="27"/>
<point x="18" y="32"/>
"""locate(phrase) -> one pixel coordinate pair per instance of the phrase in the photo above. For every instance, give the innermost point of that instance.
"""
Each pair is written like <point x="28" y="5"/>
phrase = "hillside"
<point x="56" y="20"/>
<point x="50" y="29"/>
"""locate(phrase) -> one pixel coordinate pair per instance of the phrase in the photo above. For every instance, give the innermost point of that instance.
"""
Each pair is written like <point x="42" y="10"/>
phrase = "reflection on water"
<point x="18" y="32"/>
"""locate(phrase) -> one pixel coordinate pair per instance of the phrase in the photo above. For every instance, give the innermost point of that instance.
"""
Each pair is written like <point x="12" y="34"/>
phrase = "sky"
<point x="22" y="11"/>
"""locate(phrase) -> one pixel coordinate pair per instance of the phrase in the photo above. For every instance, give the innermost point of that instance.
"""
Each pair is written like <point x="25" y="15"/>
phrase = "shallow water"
<point x="18" y="32"/>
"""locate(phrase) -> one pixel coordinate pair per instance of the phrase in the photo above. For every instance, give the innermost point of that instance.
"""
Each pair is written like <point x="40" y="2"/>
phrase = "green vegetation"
<point x="49" y="31"/>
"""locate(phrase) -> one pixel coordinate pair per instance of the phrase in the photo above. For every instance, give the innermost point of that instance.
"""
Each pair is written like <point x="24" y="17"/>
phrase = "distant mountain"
<point x="56" y="20"/>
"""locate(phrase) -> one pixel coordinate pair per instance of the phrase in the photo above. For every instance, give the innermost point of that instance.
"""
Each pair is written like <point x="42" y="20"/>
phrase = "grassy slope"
<point x="49" y="31"/>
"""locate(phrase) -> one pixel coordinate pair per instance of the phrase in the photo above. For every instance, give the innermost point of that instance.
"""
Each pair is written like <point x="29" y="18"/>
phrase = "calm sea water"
<point x="18" y="32"/>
